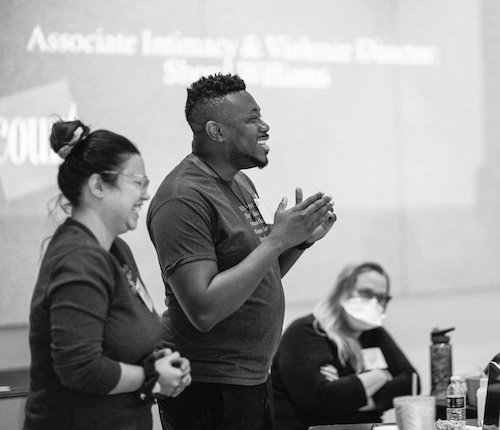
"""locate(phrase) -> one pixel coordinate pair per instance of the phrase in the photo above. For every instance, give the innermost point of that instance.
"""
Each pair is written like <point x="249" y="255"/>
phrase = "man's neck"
<point x="221" y="168"/>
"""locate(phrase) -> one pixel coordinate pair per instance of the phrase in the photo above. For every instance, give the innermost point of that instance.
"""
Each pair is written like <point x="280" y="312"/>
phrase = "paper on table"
<point x="390" y="426"/>
<point x="386" y="426"/>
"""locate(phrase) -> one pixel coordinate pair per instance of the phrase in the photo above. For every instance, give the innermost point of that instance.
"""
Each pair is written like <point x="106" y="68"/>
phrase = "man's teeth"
<point x="136" y="209"/>
<point x="261" y="142"/>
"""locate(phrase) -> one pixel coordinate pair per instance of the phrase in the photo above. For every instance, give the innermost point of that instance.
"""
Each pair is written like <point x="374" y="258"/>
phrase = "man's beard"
<point x="247" y="161"/>
<point x="258" y="163"/>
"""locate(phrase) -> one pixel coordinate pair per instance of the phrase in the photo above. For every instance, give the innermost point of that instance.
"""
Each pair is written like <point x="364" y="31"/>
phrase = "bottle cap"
<point x="455" y="378"/>
<point x="439" y="336"/>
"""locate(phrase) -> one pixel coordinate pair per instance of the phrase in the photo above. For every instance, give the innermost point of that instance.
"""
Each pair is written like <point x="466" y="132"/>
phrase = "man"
<point x="222" y="261"/>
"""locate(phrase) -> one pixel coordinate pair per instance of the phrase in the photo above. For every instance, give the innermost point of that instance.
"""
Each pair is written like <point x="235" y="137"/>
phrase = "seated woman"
<point x="339" y="365"/>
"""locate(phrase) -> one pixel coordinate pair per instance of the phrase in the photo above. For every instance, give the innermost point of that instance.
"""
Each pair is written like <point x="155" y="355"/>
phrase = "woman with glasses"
<point x="339" y="365"/>
<point x="94" y="333"/>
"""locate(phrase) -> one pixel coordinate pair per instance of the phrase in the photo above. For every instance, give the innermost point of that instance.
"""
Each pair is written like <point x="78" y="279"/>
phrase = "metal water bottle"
<point x="441" y="365"/>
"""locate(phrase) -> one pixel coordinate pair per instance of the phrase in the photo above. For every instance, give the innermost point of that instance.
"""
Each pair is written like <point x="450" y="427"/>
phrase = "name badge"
<point x="143" y="294"/>
<point x="261" y="206"/>
<point x="373" y="358"/>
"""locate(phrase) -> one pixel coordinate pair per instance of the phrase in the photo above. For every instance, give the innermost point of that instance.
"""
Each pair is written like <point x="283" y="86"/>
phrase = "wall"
<point x="14" y="352"/>
<point x="361" y="100"/>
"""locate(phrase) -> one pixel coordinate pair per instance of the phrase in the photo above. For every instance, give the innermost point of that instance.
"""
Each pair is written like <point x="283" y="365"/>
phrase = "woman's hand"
<point x="174" y="373"/>
<point x="329" y="372"/>
<point x="371" y="406"/>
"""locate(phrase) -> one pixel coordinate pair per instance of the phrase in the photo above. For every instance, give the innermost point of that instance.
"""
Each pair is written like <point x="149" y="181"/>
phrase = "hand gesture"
<point x="325" y="226"/>
<point x="174" y="372"/>
<point x="309" y="219"/>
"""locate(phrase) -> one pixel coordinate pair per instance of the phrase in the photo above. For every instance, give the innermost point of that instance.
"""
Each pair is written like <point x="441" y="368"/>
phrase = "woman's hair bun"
<point x="66" y="135"/>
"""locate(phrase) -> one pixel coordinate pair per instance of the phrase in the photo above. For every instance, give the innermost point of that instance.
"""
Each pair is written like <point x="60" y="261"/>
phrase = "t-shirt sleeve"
<point x="182" y="231"/>
<point x="81" y="286"/>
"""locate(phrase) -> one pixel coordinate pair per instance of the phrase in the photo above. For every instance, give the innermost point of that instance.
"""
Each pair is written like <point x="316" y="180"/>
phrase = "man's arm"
<point x="288" y="259"/>
<point x="208" y="297"/>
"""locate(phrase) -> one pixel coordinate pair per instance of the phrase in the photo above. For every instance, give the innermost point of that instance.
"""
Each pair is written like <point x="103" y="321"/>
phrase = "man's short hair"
<point x="208" y="92"/>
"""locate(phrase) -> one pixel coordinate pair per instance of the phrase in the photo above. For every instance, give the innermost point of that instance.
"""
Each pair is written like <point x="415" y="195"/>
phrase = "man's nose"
<point x="263" y="125"/>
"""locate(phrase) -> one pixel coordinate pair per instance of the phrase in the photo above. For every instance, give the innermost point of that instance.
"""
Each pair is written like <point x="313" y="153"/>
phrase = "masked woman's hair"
<point x="330" y="317"/>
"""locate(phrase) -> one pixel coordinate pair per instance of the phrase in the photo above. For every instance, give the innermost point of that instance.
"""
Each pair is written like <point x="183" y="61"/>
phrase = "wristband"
<point x="304" y="245"/>
<point x="149" y="385"/>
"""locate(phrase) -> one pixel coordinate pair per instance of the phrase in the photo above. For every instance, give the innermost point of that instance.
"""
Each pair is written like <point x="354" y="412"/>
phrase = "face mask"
<point x="363" y="314"/>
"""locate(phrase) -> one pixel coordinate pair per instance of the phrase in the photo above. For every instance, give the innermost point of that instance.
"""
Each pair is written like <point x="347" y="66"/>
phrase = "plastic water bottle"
<point x="455" y="401"/>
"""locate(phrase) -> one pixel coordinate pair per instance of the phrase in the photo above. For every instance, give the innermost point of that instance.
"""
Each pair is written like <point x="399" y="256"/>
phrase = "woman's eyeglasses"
<point x="368" y="293"/>
<point x="139" y="179"/>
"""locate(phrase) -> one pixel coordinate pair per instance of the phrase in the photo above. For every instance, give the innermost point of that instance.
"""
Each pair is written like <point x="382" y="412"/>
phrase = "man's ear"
<point x="95" y="185"/>
<point x="214" y="131"/>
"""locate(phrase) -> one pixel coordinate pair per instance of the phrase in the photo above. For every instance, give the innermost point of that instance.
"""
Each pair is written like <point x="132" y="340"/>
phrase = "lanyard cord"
<point x="243" y="202"/>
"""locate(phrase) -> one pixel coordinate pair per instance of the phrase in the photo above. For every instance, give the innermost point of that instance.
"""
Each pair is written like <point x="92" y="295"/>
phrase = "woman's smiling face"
<point x="125" y="198"/>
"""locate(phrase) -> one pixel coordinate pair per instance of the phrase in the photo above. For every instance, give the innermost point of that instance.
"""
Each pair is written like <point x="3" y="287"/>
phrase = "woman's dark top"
<point x="304" y="397"/>
<point x="85" y="317"/>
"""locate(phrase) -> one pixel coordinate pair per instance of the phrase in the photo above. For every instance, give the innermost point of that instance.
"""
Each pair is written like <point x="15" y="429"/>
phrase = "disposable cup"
<point x="472" y="383"/>
<point x="415" y="412"/>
